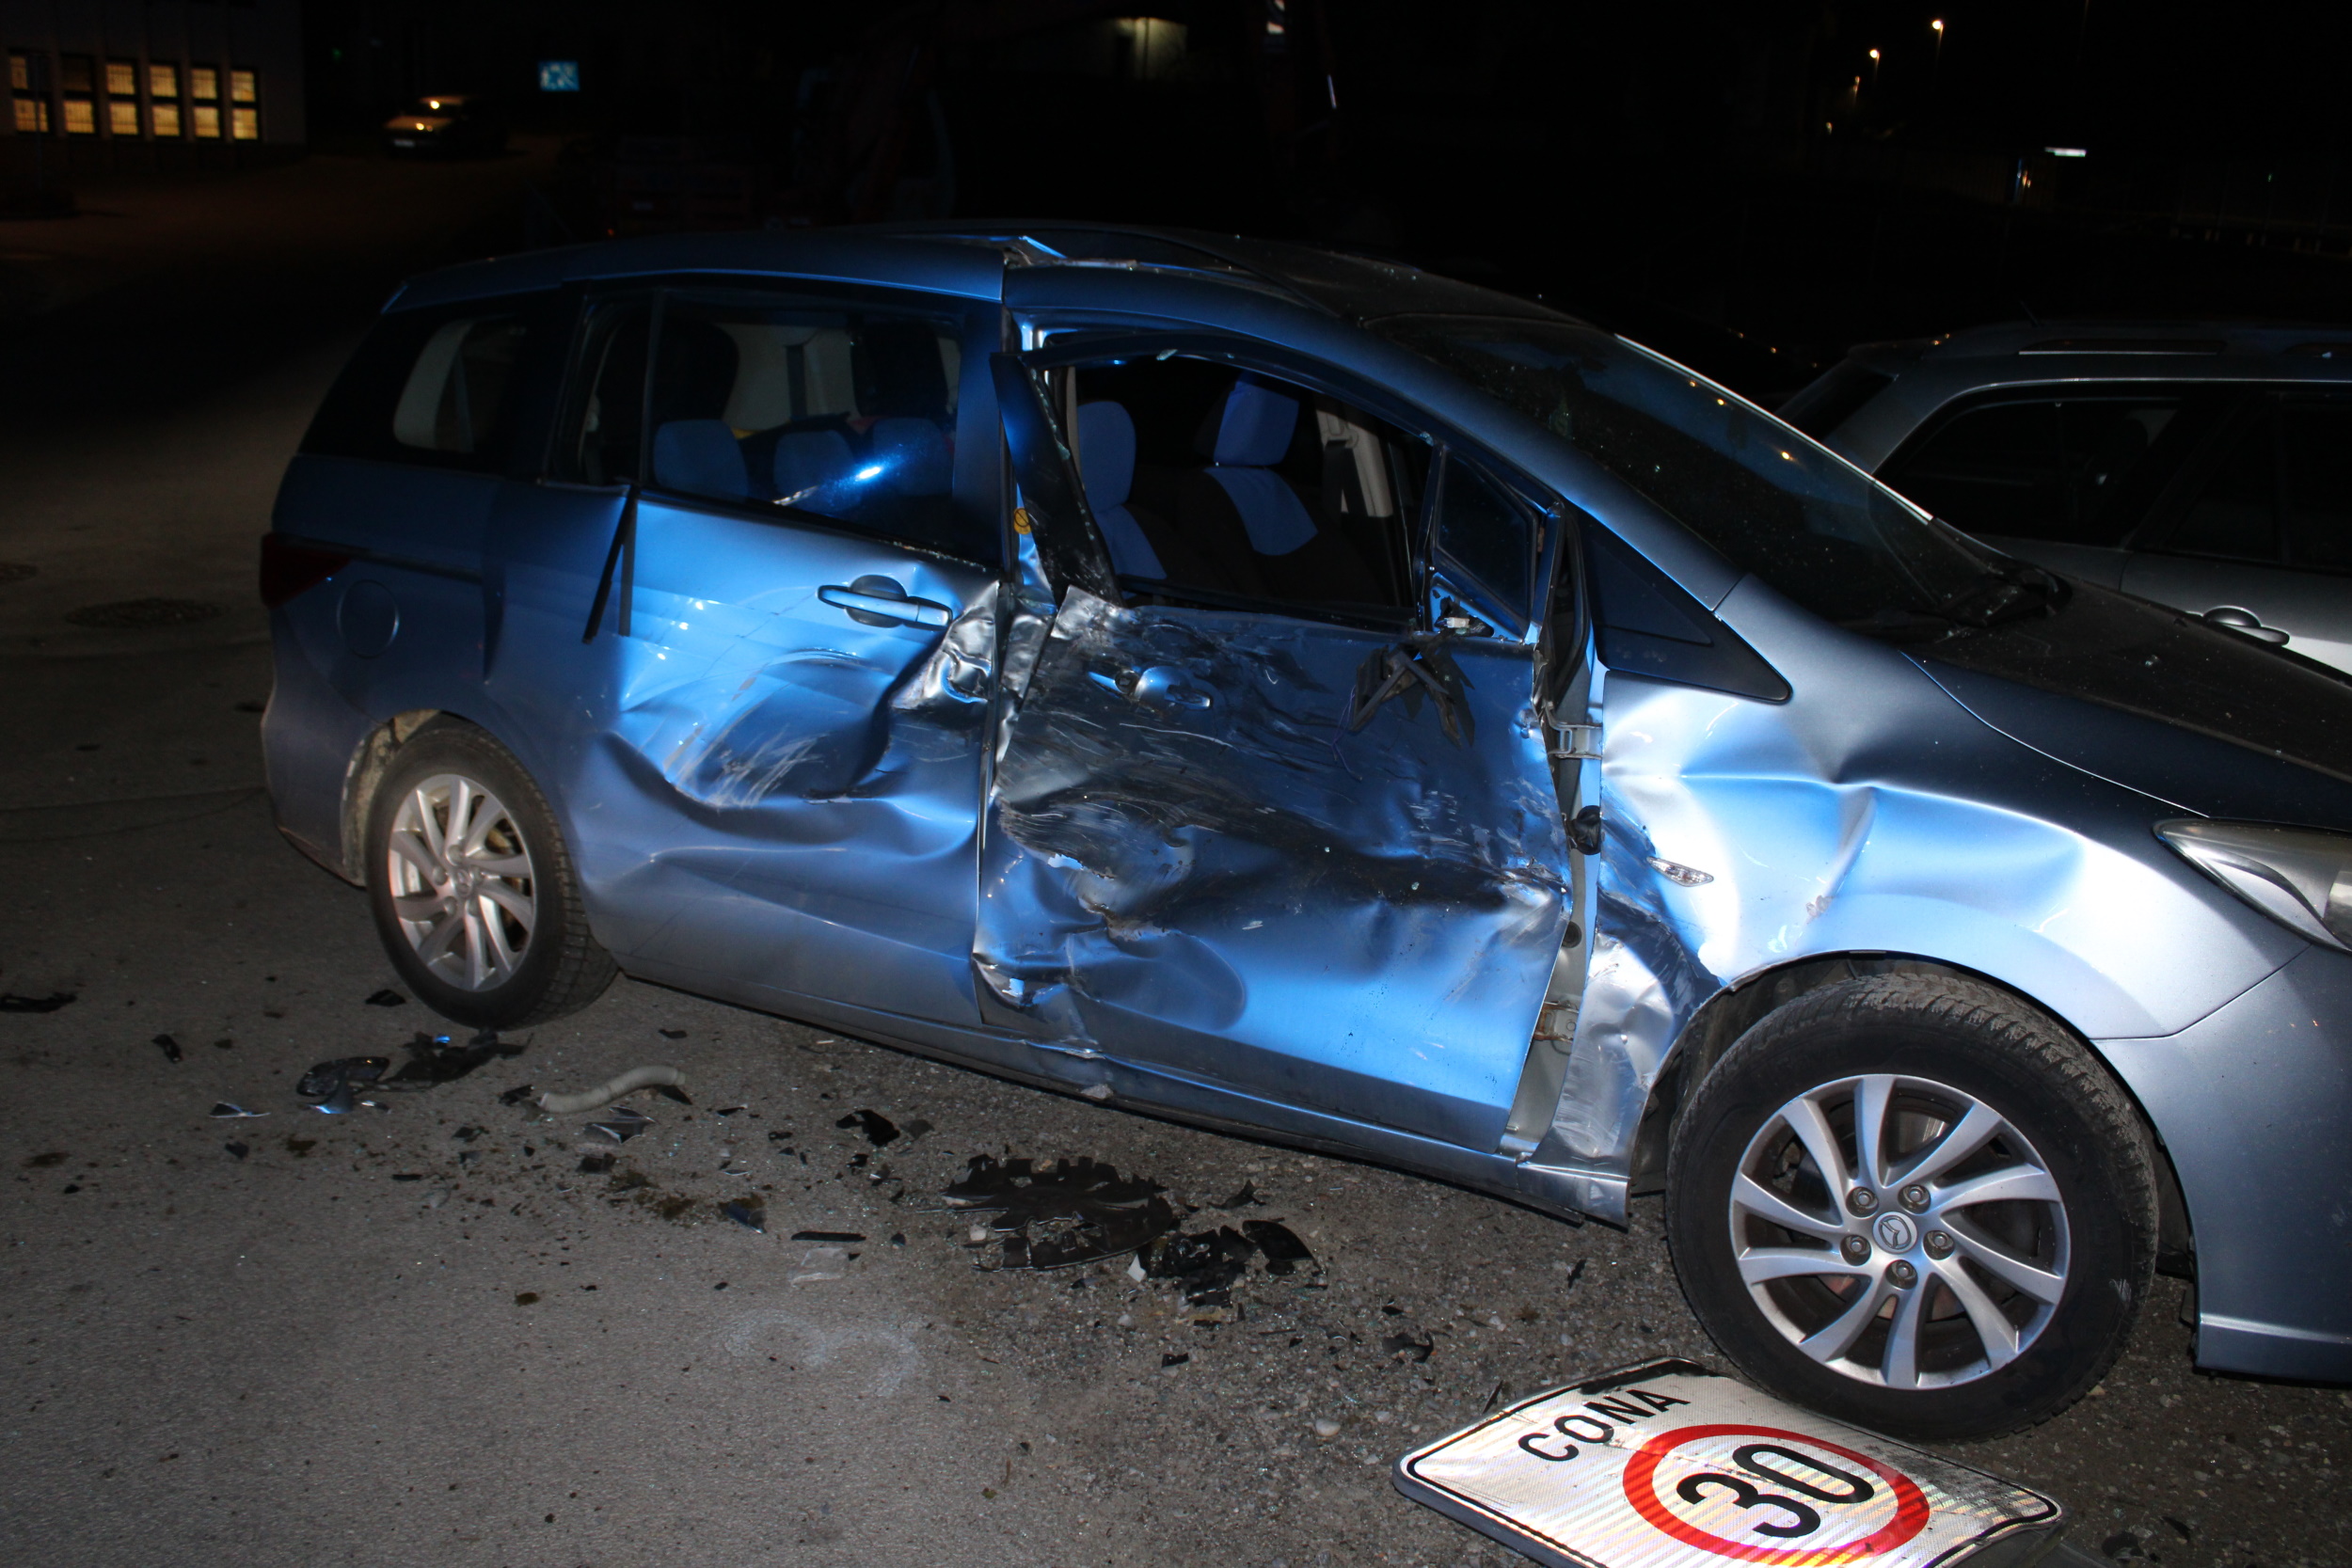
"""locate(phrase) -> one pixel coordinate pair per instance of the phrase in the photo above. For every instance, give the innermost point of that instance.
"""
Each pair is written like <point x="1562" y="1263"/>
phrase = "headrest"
<point x="1106" y="454"/>
<point x="809" y="460"/>
<point x="1256" y="428"/>
<point x="700" y="456"/>
<point x="912" y="455"/>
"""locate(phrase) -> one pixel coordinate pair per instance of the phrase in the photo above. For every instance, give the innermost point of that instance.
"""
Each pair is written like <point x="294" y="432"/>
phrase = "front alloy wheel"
<point x="1914" y="1202"/>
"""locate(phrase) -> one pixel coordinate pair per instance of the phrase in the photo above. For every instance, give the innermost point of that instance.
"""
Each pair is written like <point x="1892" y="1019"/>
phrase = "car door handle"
<point x="878" y="601"/>
<point x="1168" y="687"/>
<point x="2245" y="621"/>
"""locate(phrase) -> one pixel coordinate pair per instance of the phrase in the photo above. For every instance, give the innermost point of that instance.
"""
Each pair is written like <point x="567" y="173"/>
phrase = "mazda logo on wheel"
<point x="1896" y="1232"/>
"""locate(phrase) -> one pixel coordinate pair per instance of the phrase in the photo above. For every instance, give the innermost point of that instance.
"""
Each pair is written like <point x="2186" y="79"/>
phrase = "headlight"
<point x="2299" y="876"/>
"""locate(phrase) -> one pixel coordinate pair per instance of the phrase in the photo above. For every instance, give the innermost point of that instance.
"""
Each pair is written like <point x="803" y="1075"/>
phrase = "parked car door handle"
<point x="2243" y="621"/>
<point x="879" y="601"/>
<point x="1169" y="687"/>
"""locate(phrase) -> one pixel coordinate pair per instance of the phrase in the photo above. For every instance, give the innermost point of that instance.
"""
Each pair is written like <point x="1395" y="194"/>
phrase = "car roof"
<point x="970" y="260"/>
<point x="1928" y="373"/>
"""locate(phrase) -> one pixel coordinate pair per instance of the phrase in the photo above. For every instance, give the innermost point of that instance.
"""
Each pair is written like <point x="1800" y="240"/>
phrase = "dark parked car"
<point x="2208" y="466"/>
<point x="1304" y="695"/>
<point x="448" y="125"/>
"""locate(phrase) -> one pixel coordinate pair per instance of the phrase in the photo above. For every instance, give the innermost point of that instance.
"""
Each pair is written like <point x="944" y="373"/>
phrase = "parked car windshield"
<point x="1808" y="523"/>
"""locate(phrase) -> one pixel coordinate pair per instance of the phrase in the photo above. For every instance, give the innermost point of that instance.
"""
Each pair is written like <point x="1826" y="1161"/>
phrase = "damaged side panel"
<point x="1192" y="862"/>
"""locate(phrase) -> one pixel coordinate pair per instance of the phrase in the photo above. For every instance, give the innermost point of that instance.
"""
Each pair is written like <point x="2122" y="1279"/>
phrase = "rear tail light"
<point x="287" y="569"/>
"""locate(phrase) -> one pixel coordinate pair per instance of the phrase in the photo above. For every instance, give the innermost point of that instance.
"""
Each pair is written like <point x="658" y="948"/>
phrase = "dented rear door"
<point x="1240" y="847"/>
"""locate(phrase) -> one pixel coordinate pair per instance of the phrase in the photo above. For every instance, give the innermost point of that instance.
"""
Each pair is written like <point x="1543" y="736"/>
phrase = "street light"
<point x="1935" y="71"/>
<point x="1874" y="70"/>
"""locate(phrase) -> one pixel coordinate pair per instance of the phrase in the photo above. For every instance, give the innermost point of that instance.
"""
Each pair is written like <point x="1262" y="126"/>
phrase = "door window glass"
<point x="1482" y="529"/>
<point x="1215" y="485"/>
<point x="2315" y="470"/>
<point x="606" y="423"/>
<point x="2234" y="512"/>
<point x="848" y="415"/>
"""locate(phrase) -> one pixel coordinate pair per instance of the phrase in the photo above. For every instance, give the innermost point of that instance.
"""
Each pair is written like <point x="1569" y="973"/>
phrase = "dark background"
<point x="1722" y="178"/>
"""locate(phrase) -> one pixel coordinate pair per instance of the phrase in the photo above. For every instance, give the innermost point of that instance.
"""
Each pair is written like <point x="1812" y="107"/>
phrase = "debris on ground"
<point x="12" y="1003"/>
<point x="387" y="997"/>
<point x="879" y="1129"/>
<point x="237" y="1150"/>
<point x="225" y="1109"/>
<point x="169" y="1047"/>
<point x="610" y="1089"/>
<point x="822" y="1262"/>
<point x="748" y="1212"/>
<point x="1205" y="1267"/>
<point x="1278" y="1244"/>
<point x="466" y="1134"/>
<point x="432" y="1059"/>
<point x="671" y="1034"/>
<point x="1070" y="1212"/>
<point x="516" y="1095"/>
<point x="330" y="1084"/>
<point x="621" y="1126"/>
<point x="1408" y="1347"/>
<point x="1242" y="1199"/>
<point x="594" y="1164"/>
<point x="829" y="1235"/>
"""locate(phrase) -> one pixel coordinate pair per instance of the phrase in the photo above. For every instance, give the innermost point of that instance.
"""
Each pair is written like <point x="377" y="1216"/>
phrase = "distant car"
<point x="1308" y="696"/>
<point x="2205" y="467"/>
<point x="449" y="124"/>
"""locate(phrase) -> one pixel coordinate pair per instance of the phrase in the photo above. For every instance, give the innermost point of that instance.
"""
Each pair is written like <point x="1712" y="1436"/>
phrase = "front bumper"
<point x="2254" y="1104"/>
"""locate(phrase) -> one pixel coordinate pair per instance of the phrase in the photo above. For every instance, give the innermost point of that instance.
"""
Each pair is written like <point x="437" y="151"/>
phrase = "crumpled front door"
<point x="1261" y="851"/>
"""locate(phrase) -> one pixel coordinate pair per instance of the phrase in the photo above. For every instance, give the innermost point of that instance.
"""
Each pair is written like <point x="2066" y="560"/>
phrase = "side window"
<point x="2315" y="471"/>
<point x="847" y="414"/>
<point x="1482" y="529"/>
<point x="2231" y="508"/>
<point x="1646" y="624"/>
<point x="436" y="386"/>
<point x="2080" y="470"/>
<point x="1218" y="486"/>
<point x="604" y="425"/>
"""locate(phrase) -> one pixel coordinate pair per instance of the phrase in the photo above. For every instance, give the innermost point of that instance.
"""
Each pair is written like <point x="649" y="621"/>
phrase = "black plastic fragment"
<point x="750" y="1215"/>
<point x="1574" y="1274"/>
<point x="829" y="1235"/>
<point x="330" y="1084"/>
<point x="670" y="1091"/>
<point x="237" y="1150"/>
<point x="1175" y="1357"/>
<point x="727" y="1110"/>
<point x="1070" y="1213"/>
<point x="406" y="1176"/>
<point x="671" y="1034"/>
<point x="515" y="1096"/>
<point x="387" y="997"/>
<point x="1205" y="1267"/>
<point x="594" y="1164"/>
<point x="12" y="1003"/>
<point x="879" y="1129"/>
<point x="1280" y="1245"/>
<point x="1243" y="1199"/>
<point x="432" y="1059"/>
<point x="466" y="1134"/>
<point x="169" y="1047"/>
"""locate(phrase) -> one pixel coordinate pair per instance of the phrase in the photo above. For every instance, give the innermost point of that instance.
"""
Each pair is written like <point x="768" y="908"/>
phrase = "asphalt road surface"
<point x="425" y="1334"/>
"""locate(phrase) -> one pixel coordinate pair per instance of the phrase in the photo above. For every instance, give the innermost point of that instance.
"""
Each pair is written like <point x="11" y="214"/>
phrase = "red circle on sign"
<point x="1641" y="1490"/>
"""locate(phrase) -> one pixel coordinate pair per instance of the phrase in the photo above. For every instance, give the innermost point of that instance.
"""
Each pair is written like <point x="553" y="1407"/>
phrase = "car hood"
<point x="2163" y="703"/>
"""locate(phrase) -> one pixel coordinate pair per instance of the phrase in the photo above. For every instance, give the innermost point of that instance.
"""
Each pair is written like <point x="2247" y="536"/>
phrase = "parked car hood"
<point x="2163" y="703"/>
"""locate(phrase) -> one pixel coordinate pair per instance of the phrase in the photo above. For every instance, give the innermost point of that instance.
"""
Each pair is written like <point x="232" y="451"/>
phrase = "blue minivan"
<point x="1310" y="697"/>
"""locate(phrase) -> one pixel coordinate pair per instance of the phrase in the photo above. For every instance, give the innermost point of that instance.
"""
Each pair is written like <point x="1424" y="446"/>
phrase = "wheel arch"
<point x="1733" y="1010"/>
<point x="363" y="778"/>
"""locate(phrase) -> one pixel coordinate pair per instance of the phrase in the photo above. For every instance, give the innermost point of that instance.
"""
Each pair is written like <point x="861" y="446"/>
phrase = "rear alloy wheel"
<point x="472" y="890"/>
<point x="1914" y="1203"/>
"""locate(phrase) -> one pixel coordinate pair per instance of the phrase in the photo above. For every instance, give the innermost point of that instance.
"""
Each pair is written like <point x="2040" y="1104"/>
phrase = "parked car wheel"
<point x="1914" y="1203"/>
<point x="472" y="888"/>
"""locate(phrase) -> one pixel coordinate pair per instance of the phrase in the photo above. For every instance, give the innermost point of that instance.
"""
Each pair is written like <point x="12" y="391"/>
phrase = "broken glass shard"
<point x="619" y="1127"/>
<point x="1070" y="1213"/>
<point x="432" y="1059"/>
<point x="750" y="1215"/>
<point x="224" y="1109"/>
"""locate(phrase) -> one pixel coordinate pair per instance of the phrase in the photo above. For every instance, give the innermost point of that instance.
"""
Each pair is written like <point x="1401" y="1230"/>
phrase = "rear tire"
<point x="472" y="887"/>
<point x="1904" y="1291"/>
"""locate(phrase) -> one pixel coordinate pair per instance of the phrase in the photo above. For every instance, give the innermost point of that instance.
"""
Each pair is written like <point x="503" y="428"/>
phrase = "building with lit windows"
<point x="149" y="83"/>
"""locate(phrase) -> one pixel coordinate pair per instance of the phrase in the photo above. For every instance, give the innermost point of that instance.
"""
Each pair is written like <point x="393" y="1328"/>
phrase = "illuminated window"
<point x="20" y="73"/>
<point x="122" y="115"/>
<point x="203" y="81"/>
<point x="167" y="119"/>
<point x="245" y="124"/>
<point x="81" y="117"/>
<point x="78" y="75"/>
<point x="163" y="81"/>
<point x="206" y="119"/>
<point x="241" y="87"/>
<point x="123" y="78"/>
<point x="32" y="116"/>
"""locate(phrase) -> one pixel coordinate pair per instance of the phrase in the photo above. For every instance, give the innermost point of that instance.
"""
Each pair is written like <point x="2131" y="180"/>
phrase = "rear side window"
<point x="440" y="387"/>
<point x="2075" y="470"/>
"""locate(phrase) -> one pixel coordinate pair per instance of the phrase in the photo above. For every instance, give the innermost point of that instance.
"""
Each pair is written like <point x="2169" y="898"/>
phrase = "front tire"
<point x="1914" y="1203"/>
<point x="472" y="887"/>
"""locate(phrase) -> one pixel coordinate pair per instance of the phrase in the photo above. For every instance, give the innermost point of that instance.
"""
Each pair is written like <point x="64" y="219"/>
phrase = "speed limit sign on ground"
<point x="1671" y="1467"/>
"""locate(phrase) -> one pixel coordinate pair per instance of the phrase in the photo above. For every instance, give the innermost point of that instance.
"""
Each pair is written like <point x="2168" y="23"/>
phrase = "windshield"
<point x="1811" y="524"/>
